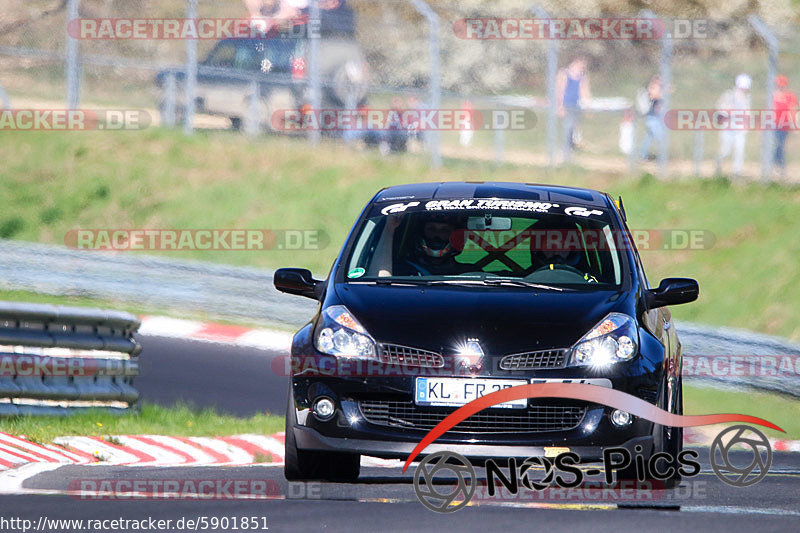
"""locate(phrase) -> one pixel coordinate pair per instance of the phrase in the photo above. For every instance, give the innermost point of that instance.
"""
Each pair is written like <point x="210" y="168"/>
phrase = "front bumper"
<point x="310" y="439"/>
<point x="351" y="431"/>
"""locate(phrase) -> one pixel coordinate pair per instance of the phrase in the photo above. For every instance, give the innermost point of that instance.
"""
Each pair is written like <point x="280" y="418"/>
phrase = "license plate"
<point x="459" y="391"/>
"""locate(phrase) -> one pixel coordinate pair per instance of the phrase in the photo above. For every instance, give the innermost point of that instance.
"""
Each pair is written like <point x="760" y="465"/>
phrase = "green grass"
<point x="783" y="411"/>
<point x="180" y="421"/>
<point x="51" y="183"/>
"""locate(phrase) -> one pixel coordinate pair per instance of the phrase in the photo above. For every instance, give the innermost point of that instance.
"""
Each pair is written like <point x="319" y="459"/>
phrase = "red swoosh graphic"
<point x="578" y="391"/>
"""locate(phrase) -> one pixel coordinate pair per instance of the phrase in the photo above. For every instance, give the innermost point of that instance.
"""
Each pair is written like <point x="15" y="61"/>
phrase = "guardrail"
<point x="58" y="360"/>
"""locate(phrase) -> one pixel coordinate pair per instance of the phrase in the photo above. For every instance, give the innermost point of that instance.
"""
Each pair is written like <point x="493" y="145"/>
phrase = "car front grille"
<point x="536" y="418"/>
<point x="403" y="355"/>
<point x="534" y="360"/>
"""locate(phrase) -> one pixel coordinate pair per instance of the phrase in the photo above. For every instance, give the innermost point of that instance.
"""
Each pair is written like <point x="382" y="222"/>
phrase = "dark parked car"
<point x="279" y="65"/>
<point x="478" y="287"/>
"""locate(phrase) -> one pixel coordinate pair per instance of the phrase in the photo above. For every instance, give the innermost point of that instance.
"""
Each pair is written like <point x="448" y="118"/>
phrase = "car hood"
<point x="504" y="320"/>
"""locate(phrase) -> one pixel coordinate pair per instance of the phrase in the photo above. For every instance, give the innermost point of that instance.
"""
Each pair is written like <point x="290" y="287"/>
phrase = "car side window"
<point x="223" y="56"/>
<point x="278" y="55"/>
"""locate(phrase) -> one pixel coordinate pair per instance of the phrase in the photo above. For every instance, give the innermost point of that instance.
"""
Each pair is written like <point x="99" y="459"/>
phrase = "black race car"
<point x="444" y="292"/>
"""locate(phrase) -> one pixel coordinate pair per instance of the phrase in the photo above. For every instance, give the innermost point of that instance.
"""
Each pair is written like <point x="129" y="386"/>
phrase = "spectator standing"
<point x="737" y="99"/>
<point x="572" y="92"/>
<point x="653" y="121"/>
<point x="784" y="102"/>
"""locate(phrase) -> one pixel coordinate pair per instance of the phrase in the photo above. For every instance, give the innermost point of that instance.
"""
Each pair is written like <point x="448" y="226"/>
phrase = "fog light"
<point x="323" y="408"/>
<point x="621" y="419"/>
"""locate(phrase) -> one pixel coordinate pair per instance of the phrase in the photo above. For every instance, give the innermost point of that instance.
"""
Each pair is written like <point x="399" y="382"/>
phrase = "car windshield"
<point x="489" y="243"/>
<point x="269" y="55"/>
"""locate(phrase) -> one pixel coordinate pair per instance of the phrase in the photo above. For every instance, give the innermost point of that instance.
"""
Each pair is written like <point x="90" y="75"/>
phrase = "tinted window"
<point x="556" y="245"/>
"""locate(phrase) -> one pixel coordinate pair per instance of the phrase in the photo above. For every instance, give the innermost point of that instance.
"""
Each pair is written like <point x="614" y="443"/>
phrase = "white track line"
<point x="266" y="339"/>
<point x="162" y="326"/>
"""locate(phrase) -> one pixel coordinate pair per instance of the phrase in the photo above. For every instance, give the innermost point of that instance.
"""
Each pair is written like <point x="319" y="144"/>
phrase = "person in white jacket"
<point x="734" y="140"/>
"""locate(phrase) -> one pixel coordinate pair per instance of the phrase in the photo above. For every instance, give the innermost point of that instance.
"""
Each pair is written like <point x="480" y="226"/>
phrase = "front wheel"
<point x="670" y="440"/>
<point x="307" y="465"/>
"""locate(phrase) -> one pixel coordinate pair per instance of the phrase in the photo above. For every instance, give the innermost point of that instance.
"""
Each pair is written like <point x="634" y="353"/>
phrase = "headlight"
<point x="339" y="333"/>
<point x="614" y="339"/>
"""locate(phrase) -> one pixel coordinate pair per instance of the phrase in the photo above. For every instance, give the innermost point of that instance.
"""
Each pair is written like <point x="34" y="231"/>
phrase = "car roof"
<point x="494" y="189"/>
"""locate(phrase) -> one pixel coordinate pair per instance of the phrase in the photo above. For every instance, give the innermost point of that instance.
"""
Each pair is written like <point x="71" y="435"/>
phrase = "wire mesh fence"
<point x="275" y="66"/>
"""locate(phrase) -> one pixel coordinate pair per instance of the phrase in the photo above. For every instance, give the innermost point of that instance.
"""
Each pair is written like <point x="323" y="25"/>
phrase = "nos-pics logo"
<point x="446" y="481"/>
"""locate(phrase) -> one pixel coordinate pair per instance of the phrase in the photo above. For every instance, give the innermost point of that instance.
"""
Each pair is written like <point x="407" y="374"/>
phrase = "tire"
<point x="673" y="444"/>
<point x="307" y="465"/>
<point x="670" y="441"/>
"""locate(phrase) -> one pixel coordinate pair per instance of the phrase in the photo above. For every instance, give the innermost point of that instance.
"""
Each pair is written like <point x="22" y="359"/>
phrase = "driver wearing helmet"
<point x="433" y="252"/>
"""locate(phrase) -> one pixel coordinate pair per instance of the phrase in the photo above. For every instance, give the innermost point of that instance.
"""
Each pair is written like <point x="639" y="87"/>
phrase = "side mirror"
<point x="297" y="281"/>
<point x="672" y="291"/>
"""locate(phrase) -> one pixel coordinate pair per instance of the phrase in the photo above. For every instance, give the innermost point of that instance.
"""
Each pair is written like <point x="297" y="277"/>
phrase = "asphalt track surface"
<point x="232" y="379"/>
<point x="240" y="381"/>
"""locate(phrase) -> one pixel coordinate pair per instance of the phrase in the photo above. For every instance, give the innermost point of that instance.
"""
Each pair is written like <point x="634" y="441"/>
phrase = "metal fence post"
<point x="499" y="145"/>
<point x="666" y="84"/>
<point x="633" y="157"/>
<point x="191" y="72"/>
<point x="699" y="152"/>
<point x="169" y="101"/>
<point x="434" y="137"/>
<point x="252" y="119"/>
<point x="314" y="81"/>
<point x="72" y="60"/>
<point x="4" y="99"/>
<point x="552" y="74"/>
<point x="767" y="137"/>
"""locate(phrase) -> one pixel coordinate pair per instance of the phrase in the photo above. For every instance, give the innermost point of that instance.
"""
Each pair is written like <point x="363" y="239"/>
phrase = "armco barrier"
<point x="56" y="360"/>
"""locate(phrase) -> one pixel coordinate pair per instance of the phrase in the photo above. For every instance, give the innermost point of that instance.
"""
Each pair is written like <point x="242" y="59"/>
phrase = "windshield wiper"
<point x="388" y="281"/>
<point x="462" y="281"/>
<point x="521" y="283"/>
<point x="422" y="281"/>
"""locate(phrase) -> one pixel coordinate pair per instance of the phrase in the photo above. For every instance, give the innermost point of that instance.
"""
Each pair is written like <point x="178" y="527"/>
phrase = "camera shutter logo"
<point x="729" y="469"/>
<point x="446" y="463"/>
